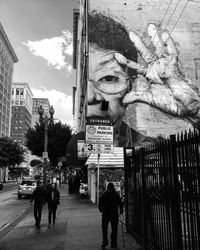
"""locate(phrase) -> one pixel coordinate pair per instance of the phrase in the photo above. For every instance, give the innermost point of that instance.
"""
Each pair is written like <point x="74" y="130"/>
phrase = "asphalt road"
<point x="10" y="207"/>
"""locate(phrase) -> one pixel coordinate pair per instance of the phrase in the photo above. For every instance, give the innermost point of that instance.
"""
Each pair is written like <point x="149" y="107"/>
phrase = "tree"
<point x="11" y="153"/>
<point x="58" y="136"/>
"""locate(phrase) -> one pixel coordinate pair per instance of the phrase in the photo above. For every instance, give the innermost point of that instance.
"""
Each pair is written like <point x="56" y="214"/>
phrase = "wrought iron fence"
<point x="162" y="187"/>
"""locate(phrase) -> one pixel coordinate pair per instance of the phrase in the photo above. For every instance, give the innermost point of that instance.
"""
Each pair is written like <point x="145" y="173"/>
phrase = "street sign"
<point x="98" y="148"/>
<point x="99" y="120"/>
<point x="81" y="153"/>
<point x="99" y="134"/>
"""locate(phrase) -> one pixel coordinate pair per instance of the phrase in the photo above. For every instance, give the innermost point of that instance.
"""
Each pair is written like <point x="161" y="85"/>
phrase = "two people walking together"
<point x="51" y="196"/>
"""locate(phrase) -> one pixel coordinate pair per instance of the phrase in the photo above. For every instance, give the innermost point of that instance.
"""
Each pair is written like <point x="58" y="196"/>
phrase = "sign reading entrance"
<point x="99" y="134"/>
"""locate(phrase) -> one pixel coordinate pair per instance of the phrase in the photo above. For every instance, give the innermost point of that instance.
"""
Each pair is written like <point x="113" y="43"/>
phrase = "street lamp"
<point x="45" y="120"/>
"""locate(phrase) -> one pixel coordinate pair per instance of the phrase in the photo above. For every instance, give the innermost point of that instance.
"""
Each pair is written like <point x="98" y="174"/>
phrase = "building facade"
<point x="37" y="102"/>
<point x="7" y="60"/>
<point x="21" y="111"/>
<point x="144" y="59"/>
<point x="80" y="63"/>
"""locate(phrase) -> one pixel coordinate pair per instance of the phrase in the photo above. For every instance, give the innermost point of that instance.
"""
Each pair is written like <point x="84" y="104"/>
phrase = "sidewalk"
<point x="78" y="227"/>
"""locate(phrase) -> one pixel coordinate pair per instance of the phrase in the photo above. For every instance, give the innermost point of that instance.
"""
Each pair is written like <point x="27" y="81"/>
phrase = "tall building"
<point x="21" y="111"/>
<point x="80" y="63"/>
<point x="37" y="102"/>
<point x="103" y="48"/>
<point x="7" y="60"/>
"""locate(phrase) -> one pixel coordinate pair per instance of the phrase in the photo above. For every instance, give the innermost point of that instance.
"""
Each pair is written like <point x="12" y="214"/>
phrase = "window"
<point x="21" y="91"/>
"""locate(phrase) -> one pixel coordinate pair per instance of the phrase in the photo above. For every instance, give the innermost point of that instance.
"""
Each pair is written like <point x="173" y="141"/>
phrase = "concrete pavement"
<point x="78" y="227"/>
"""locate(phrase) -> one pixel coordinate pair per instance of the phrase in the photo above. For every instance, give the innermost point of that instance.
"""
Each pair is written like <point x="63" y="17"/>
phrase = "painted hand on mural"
<point x="162" y="84"/>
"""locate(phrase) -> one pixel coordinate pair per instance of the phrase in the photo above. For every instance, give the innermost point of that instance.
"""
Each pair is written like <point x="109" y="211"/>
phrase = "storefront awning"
<point x="112" y="160"/>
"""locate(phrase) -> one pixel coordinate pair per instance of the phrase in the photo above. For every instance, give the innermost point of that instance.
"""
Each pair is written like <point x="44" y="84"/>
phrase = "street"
<point x="78" y="226"/>
<point x="10" y="207"/>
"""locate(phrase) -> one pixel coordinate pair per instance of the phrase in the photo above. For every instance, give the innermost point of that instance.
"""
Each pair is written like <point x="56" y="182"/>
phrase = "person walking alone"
<point x="39" y="200"/>
<point x="110" y="204"/>
<point x="53" y="199"/>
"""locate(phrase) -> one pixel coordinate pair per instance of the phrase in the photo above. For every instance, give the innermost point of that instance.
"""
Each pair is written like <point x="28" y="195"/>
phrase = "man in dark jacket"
<point x="39" y="200"/>
<point x="109" y="204"/>
<point x="53" y="199"/>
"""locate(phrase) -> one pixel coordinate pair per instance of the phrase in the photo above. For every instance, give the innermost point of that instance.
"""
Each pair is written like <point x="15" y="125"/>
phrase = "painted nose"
<point x="93" y="96"/>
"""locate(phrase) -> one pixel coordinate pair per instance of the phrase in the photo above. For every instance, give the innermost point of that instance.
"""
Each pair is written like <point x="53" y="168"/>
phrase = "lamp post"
<point x="45" y="120"/>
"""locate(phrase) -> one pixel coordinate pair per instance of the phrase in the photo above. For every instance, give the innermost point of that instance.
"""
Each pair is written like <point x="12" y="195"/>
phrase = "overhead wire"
<point x="127" y="120"/>
<point x="187" y="1"/>
<point x="179" y="16"/>
<point x="170" y="18"/>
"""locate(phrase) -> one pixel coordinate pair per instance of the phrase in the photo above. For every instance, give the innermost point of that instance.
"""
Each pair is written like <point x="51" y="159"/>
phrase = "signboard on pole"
<point x="81" y="149"/>
<point x="99" y="134"/>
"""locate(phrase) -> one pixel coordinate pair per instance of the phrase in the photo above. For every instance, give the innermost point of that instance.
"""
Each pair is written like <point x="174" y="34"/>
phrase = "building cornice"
<point x="23" y="84"/>
<point x="8" y="44"/>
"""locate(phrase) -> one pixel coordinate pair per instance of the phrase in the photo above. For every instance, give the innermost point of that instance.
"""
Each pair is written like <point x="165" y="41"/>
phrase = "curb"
<point x="7" y="227"/>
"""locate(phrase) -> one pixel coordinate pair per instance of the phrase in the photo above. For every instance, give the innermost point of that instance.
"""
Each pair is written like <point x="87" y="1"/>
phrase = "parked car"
<point x="26" y="188"/>
<point x="1" y="185"/>
<point x="83" y="190"/>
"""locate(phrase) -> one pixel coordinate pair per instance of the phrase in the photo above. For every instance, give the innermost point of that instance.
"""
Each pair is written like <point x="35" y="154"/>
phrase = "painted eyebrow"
<point x="108" y="57"/>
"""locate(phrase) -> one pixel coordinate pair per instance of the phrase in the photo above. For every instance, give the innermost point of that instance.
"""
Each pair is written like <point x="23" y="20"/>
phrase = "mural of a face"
<point x="108" y="79"/>
<point x="107" y="82"/>
<point x="113" y="62"/>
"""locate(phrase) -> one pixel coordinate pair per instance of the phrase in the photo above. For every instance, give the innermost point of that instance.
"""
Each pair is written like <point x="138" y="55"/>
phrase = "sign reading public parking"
<point x="99" y="134"/>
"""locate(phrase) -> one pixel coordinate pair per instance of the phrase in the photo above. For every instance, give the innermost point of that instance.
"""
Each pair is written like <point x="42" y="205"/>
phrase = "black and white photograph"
<point x="99" y="124"/>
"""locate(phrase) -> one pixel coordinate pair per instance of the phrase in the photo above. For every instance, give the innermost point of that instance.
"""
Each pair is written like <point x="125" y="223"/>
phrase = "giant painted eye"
<point x="111" y="82"/>
<point x="109" y="78"/>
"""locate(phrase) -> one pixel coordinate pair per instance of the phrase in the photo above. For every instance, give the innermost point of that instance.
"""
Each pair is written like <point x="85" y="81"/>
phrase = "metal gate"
<point x="162" y="193"/>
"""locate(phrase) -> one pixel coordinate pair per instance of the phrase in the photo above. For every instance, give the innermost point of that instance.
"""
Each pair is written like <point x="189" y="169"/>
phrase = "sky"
<point x="41" y="33"/>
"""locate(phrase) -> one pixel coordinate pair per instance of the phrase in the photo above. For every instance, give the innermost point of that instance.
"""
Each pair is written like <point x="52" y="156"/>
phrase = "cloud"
<point x="61" y="103"/>
<point x="54" y="50"/>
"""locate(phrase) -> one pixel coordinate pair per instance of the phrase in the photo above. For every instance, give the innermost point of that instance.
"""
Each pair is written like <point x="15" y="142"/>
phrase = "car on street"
<point x="83" y="190"/>
<point x="1" y="186"/>
<point x="26" y="188"/>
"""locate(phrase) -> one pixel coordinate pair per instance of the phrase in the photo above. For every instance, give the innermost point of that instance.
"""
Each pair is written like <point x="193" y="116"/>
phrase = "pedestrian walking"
<point x="38" y="197"/>
<point x="110" y="204"/>
<point x="53" y="199"/>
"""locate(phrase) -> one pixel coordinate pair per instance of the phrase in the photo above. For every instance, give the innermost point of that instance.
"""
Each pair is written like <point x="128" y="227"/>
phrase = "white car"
<point x="83" y="190"/>
<point x="26" y="188"/>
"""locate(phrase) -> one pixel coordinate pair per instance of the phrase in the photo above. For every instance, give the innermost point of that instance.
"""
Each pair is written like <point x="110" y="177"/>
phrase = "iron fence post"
<point x="175" y="194"/>
<point x="144" y="222"/>
<point x="126" y="187"/>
